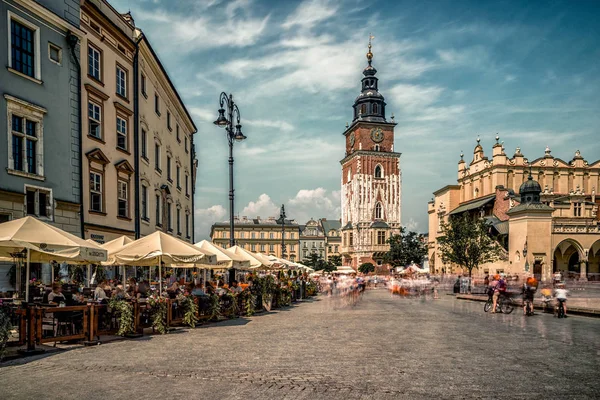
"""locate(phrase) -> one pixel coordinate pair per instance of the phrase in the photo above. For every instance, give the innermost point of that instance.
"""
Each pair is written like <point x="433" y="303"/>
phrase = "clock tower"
<point x="371" y="178"/>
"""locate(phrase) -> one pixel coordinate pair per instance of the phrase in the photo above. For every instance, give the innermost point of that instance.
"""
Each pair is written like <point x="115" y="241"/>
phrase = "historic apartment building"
<point x="312" y="239"/>
<point x="138" y="136"/>
<point x="371" y="178"/>
<point x="555" y="229"/>
<point x="107" y="89"/>
<point x="333" y="237"/>
<point x="167" y="161"/>
<point x="39" y="111"/>
<point x="260" y="236"/>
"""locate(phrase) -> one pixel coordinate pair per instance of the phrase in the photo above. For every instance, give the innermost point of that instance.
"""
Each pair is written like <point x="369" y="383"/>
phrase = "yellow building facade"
<point x="561" y="233"/>
<point x="260" y="236"/>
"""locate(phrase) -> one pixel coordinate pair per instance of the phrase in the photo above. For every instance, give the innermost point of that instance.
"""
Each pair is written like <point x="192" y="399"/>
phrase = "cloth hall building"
<point x="544" y="212"/>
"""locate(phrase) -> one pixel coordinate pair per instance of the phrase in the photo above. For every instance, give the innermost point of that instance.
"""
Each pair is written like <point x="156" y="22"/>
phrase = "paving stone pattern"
<point x="382" y="348"/>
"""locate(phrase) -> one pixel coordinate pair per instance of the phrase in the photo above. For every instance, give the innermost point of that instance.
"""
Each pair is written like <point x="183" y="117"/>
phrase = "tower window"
<point x="375" y="109"/>
<point x="378" y="211"/>
<point x="378" y="169"/>
<point x="363" y="109"/>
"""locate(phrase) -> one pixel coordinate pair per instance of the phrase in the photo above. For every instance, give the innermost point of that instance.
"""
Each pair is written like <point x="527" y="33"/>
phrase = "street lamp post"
<point x="282" y="222"/>
<point x="227" y="105"/>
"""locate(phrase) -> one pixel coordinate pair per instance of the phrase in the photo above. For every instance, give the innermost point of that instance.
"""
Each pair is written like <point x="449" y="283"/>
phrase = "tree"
<point x="405" y="248"/>
<point x="466" y="241"/>
<point x="313" y="260"/>
<point x="335" y="260"/>
<point x="365" y="268"/>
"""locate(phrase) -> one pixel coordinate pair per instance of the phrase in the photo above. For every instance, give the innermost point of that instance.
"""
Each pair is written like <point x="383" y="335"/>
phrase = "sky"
<point x="450" y="71"/>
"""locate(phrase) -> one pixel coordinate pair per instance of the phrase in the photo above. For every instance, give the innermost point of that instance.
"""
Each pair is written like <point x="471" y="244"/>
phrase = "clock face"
<point x="352" y="139"/>
<point x="377" y="135"/>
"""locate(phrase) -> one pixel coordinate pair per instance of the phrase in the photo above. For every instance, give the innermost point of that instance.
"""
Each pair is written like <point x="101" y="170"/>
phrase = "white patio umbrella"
<point x="43" y="242"/>
<point x="255" y="262"/>
<point x="225" y="258"/>
<point x="157" y="248"/>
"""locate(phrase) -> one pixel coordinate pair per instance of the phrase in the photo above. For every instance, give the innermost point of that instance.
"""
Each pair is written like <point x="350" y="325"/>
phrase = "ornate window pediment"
<point x="124" y="166"/>
<point x="98" y="156"/>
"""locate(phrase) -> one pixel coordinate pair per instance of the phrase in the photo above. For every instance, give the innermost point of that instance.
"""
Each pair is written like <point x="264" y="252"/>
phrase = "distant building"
<point x="312" y="239"/>
<point x="333" y="237"/>
<point x="543" y="212"/>
<point x="260" y="236"/>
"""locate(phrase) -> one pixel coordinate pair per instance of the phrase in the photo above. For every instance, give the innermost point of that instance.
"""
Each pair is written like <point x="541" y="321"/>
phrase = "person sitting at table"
<point x="99" y="293"/>
<point x="143" y="289"/>
<point x="198" y="290"/>
<point x="56" y="296"/>
<point x="210" y="289"/>
<point x="119" y="294"/>
<point x="173" y="290"/>
<point x="235" y="287"/>
<point x="132" y="288"/>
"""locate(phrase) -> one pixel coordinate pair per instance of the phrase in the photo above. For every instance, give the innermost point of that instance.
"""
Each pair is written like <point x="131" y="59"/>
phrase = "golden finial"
<point x="370" y="54"/>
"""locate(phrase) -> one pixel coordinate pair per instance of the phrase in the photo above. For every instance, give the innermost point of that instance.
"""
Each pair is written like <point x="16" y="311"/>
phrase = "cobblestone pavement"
<point x="382" y="348"/>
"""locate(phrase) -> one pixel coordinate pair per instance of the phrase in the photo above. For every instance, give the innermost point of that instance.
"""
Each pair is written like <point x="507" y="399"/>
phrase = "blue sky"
<point x="449" y="70"/>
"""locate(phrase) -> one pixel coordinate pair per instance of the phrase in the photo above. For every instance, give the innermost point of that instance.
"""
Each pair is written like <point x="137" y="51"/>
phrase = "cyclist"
<point x="561" y="296"/>
<point x="499" y="285"/>
<point x="529" y="289"/>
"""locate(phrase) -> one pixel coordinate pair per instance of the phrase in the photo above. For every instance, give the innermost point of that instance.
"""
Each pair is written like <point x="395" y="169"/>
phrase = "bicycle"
<point x="560" y="309"/>
<point x="504" y="304"/>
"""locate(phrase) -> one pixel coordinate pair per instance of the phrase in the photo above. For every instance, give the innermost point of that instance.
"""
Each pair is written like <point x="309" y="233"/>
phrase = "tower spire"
<point x="370" y="54"/>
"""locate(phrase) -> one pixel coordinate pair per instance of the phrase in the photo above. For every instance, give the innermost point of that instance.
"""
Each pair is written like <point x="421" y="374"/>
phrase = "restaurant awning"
<point x="224" y="257"/>
<point x="474" y="205"/>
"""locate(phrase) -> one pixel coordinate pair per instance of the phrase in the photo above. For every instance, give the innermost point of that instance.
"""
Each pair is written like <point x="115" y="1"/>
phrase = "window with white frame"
<point x="262" y="235"/>
<point x="378" y="211"/>
<point x="253" y="247"/>
<point x="123" y="198"/>
<point x="271" y="235"/>
<point x="95" y="119"/>
<point x="292" y="247"/>
<point x="25" y="141"/>
<point x="145" y="199"/>
<point x="121" y="82"/>
<point x="24" y="47"/>
<point x="96" y="191"/>
<point x="121" y="133"/>
<point x="262" y="248"/>
<point x="577" y="209"/>
<point x="54" y="53"/>
<point x="271" y="247"/>
<point x="94" y="63"/>
<point x="38" y="201"/>
<point x="380" y="237"/>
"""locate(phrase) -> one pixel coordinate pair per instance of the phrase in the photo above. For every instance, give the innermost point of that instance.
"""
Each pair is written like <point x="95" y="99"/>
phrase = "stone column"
<point x="583" y="271"/>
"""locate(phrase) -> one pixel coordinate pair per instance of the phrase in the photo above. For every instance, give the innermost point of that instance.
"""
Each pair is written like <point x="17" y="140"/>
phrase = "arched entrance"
<point x="594" y="262"/>
<point x="567" y="258"/>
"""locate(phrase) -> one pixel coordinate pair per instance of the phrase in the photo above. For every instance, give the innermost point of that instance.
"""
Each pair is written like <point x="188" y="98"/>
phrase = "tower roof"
<point x="369" y="105"/>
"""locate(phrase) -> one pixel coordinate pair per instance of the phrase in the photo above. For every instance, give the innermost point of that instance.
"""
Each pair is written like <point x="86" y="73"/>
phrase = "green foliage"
<point x="5" y="327"/>
<point x="125" y="312"/>
<point x="405" y="248"/>
<point x="466" y="241"/>
<point x="159" y="313"/>
<point x="311" y="289"/>
<point x="190" y="310"/>
<point x="215" y="307"/>
<point x="249" y="301"/>
<point x="77" y="273"/>
<point x="335" y="260"/>
<point x="366" y="268"/>
<point x="316" y="262"/>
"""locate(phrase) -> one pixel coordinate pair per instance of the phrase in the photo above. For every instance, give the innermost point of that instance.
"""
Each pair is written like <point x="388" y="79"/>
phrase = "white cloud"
<point x="309" y="13"/>
<point x="314" y="203"/>
<point x="263" y="207"/>
<point x="205" y="217"/>
<point x="203" y="114"/>
<point x="412" y="225"/>
<point x="279" y="125"/>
